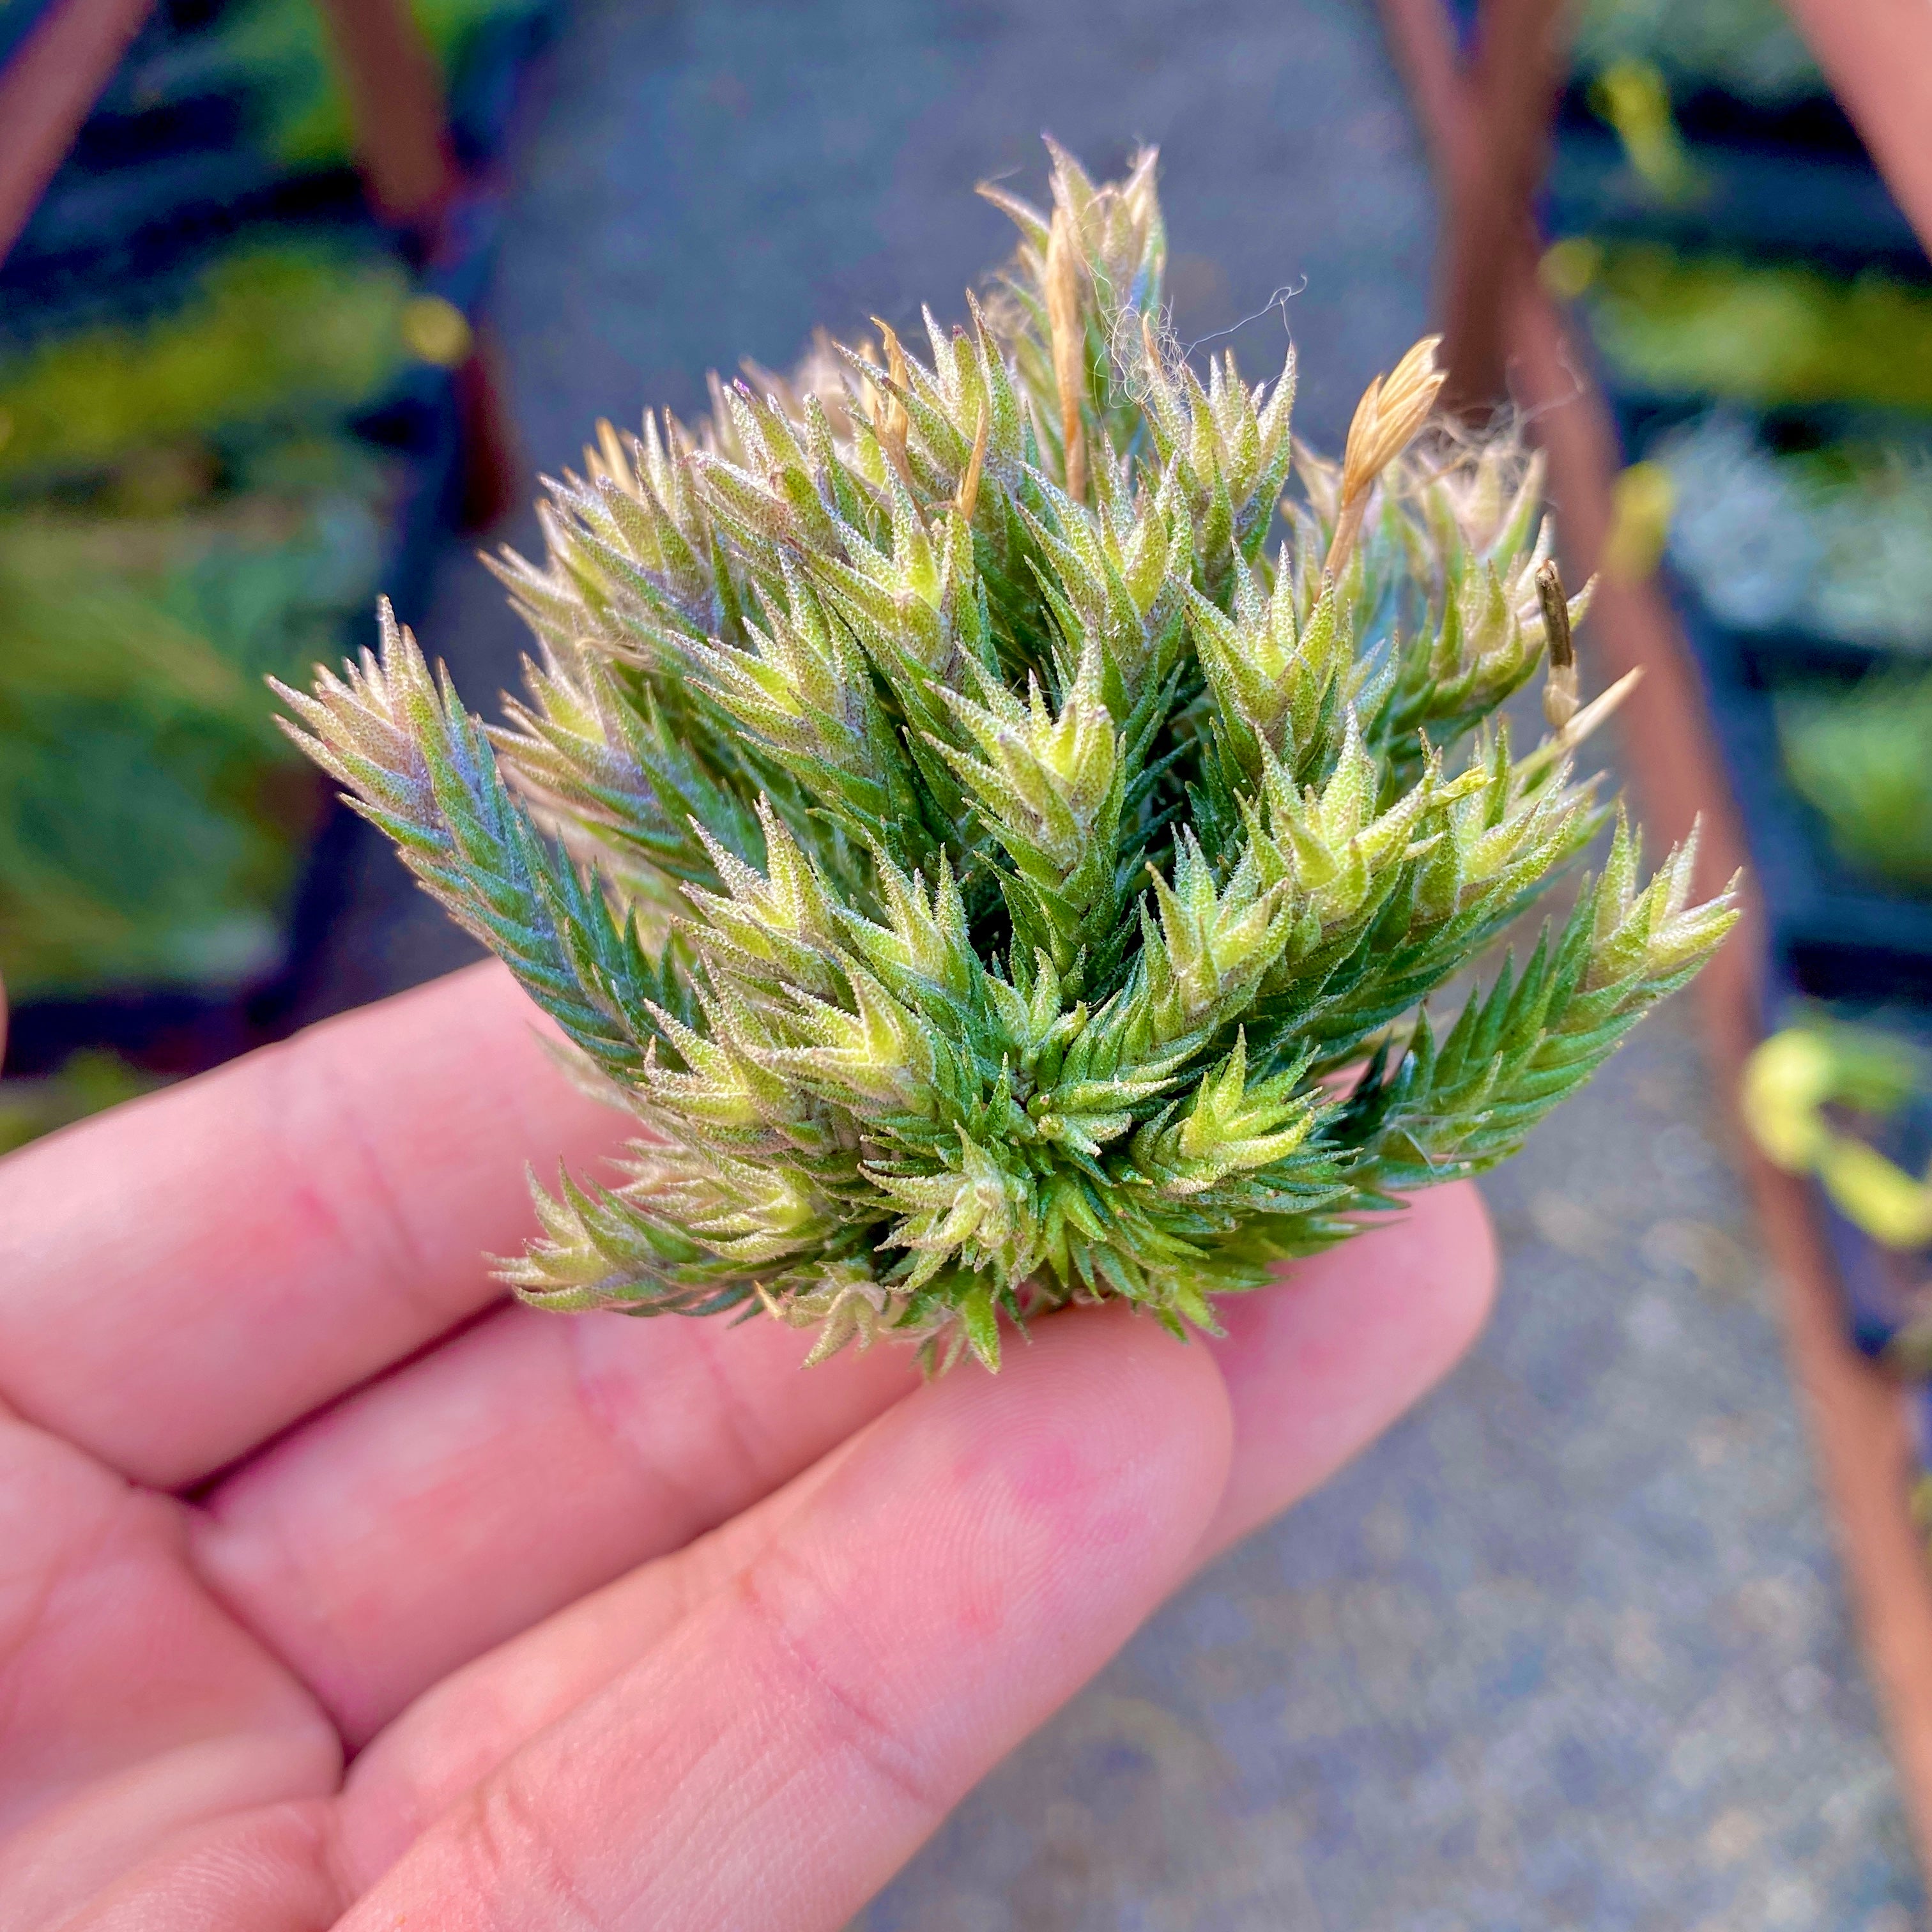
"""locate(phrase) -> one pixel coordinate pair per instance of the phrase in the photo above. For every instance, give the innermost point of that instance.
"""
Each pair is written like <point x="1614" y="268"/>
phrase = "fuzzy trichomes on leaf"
<point x="992" y="873"/>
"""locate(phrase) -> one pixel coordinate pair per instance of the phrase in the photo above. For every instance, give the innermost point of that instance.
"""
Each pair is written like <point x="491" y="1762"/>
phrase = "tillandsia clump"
<point x="993" y="876"/>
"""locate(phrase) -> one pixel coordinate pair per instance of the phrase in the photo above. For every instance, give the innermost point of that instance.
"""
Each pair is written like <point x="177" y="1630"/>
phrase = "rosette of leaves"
<point x="995" y="877"/>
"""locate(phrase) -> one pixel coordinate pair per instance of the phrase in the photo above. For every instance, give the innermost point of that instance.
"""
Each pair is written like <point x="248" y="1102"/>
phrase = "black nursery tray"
<point x="1834" y="933"/>
<point x="1781" y="654"/>
<point x="1828" y="208"/>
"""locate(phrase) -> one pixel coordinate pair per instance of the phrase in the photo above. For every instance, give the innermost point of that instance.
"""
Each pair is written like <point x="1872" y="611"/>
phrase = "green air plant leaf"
<point x="993" y="877"/>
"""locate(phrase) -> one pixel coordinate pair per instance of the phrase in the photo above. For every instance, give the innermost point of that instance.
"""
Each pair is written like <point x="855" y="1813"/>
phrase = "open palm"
<point x="335" y="1592"/>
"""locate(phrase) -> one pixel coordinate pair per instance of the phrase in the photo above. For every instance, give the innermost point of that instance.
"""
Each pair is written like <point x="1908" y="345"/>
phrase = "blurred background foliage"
<point x="270" y="59"/>
<point x="220" y="430"/>
<point x="1763" y="333"/>
<point x="262" y="338"/>
<point x="182" y="513"/>
<point x="151" y="818"/>
<point x="1746" y="48"/>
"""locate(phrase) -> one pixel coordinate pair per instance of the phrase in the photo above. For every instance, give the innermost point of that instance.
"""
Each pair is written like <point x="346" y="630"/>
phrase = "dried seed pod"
<point x="1559" y="691"/>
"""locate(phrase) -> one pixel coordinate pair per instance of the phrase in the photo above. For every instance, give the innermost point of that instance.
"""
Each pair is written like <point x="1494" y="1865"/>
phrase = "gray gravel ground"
<point x="1567" y="1649"/>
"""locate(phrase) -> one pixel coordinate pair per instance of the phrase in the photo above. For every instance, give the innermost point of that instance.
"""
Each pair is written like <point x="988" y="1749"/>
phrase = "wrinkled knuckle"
<point x="671" y="1405"/>
<point x="509" y="1862"/>
<point x="615" y="1387"/>
<point x="321" y="1108"/>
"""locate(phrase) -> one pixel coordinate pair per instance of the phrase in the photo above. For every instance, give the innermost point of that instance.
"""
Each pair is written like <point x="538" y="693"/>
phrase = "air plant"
<point x="993" y="875"/>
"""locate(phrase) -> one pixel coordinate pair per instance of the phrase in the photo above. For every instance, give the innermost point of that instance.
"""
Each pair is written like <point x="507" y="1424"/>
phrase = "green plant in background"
<point x="1766" y="333"/>
<point x="1836" y="540"/>
<point x="1863" y="759"/>
<point x="274" y="335"/>
<point x="1748" y="48"/>
<point x="1871" y="1073"/>
<point x="150" y="819"/>
<point x="87" y="1082"/>
<point x="992" y="876"/>
<point x="276" y="52"/>
<point x="1634" y="98"/>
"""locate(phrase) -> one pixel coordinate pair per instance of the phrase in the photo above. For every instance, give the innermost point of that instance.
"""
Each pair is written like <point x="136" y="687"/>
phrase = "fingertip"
<point x="1101" y="1431"/>
<point x="1465" y="1292"/>
<point x="1320" y="1365"/>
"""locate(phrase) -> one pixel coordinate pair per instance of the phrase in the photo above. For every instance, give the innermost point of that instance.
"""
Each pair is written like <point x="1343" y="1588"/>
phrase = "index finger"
<point x="186" y="1275"/>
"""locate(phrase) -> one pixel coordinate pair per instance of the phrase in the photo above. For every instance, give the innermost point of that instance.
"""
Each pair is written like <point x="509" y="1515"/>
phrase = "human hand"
<point x="335" y="1591"/>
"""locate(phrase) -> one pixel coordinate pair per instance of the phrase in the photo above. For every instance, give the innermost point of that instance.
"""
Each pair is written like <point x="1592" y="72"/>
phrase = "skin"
<point x="336" y="1590"/>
